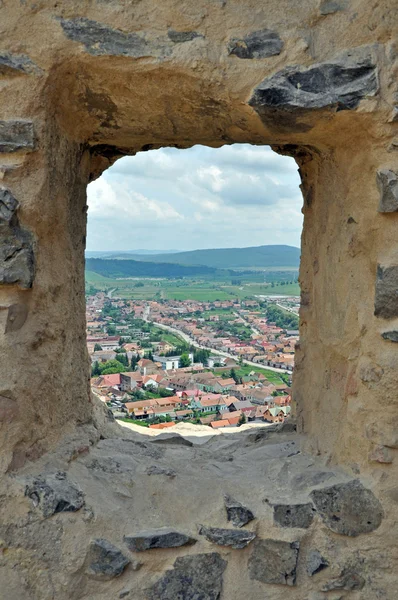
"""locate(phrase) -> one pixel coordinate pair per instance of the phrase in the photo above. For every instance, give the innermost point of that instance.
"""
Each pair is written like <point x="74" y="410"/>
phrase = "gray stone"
<point x="237" y="539"/>
<point x="259" y="44"/>
<point x="305" y="480"/>
<point x="387" y="182"/>
<point x="197" y="577"/>
<point x="101" y="40"/>
<point x="54" y="493"/>
<point x="238" y="514"/>
<point x="349" y="580"/>
<point x="16" y="317"/>
<point x="104" y="561"/>
<point x="294" y="515"/>
<point x="179" y="37"/>
<point x="17" y="64"/>
<point x="171" y="438"/>
<point x="348" y="508"/>
<point x="315" y="562"/>
<point x="16" y="135"/>
<point x="156" y="470"/>
<point x="164" y="537"/>
<point x="386" y="298"/>
<point x="274" y="561"/>
<point x="391" y="336"/>
<point x="338" y="84"/>
<point x="16" y="250"/>
<point x="329" y="7"/>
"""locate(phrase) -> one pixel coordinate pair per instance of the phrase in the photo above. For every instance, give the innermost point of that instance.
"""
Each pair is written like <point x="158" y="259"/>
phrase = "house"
<point x="206" y="420"/>
<point x="219" y="424"/>
<point x="130" y="381"/>
<point x="243" y="405"/>
<point x="208" y="403"/>
<point x="162" y="425"/>
<point x="164" y="347"/>
<point x="169" y="362"/>
<point x="147" y="367"/>
<point x="107" y="380"/>
<point x="184" y="414"/>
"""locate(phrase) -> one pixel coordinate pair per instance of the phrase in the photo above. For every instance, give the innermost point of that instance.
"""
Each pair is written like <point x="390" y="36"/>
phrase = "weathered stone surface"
<point x="16" y="135"/>
<point x="274" y="561"/>
<point x="237" y="539"/>
<point x="99" y="39"/>
<point x="157" y="470"/>
<point x="340" y="84"/>
<point x="381" y="454"/>
<point x="54" y="493"/>
<point x="157" y="538"/>
<point x="315" y="562"/>
<point x="237" y="513"/>
<point x="16" y="251"/>
<point x="259" y="44"/>
<point x="11" y="64"/>
<point x="16" y="317"/>
<point x="171" y="438"/>
<point x="179" y="37"/>
<point x="392" y="336"/>
<point x="104" y="560"/>
<point x="384" y="433"/>
<point x="348" y="580"/>
<point x="387" y="182"/>
<point x="386" y="299"/>
<point x="197" y="577"/>
<point x="348" y="508"/>
<point x="329" y="7"/>
<point x="294" y="515"/>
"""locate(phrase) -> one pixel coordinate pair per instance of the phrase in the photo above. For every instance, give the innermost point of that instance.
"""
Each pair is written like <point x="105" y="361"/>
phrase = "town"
<point x="220" y="364"/>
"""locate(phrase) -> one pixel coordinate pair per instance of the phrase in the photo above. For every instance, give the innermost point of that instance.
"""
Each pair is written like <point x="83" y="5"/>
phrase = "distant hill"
<point x="134" y="268"/>
<point x="226" y="258"/>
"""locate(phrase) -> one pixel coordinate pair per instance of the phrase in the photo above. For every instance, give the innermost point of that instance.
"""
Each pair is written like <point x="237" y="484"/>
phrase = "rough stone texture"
<point x="180" y="37"/>
<point x="123" y="86"/>
<point x="16" y="251"/>
<point x="11" y="64"/>
<point x="193" y="578"/>
<point x="237" y="513"/>
<point x="157" y="538"/>
<point x="387" y="182"/>
<point x="227" y="537"/>
<point x="381" y="454"/>
<point x="104" y="560"/>
<point x="259" y="44"/>
<point x="392" y="336"/>
<point x="315" y="563"/>
<point x="339" y="84"/>
<point x="294" y="515"/>
<point x="329" y="7"/>
<point x="349" y="580"/>
<point x="156" y="470"/>
<point x="348" y="508"/>
<point x="386" y="298"/>
<point x="274" y="561"/>
<point x="54" y="493"/>
<point x="16" y="135"/>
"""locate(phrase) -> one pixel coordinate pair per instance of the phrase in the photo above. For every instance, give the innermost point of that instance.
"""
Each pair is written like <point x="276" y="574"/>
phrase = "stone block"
<point x="386" y="297"/>
<point x="294" y="515"/>
<point x="196" y="577"/>
<point x="391" y="336"/>
<point x="259" y="44"/>
<point x="104" y="561"/>
<point x="339" y="83"/>
<point x="274" y="561"/>
<point x="16" y="135"/>
<point x="54" y="493"/>
<point x="315" y="562"/>
<point x="17" y="64"/>
<point x="157" y="538"/>
<point x="180" y="37"/>
<point x="238" y="514"/>
<point x="329" y="7"/>
<point x="234" y="538"/>
<point x="348" y="508"/>
<point x="387" y="183"/>
<point x="349" y="580"/>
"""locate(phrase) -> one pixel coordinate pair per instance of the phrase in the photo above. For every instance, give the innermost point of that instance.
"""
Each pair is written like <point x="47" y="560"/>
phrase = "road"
<point x="246" y="322"/>
<point x="109" y="294"/>
<point x="287" y="309"/>
<point x="193" y="342"/>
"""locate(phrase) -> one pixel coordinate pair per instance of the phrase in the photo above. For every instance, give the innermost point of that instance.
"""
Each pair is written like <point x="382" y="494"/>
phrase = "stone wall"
<point x="85" y="82"/>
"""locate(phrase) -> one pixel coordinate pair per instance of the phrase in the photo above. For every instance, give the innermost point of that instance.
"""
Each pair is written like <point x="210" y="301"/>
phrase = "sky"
<point x="169" y="199"/>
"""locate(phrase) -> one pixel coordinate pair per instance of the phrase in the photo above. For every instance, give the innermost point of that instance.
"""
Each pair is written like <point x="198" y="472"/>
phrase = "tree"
<point x="112" y="366"/>
<point x="97" y="348"/>
<point x="150" y="355"/>
<point x="111" y="330"/>
<point x="242" y="419"/>
<point x="95" y="369"/>
<point x="234" y="375"/>
<point x="185" y="361"/>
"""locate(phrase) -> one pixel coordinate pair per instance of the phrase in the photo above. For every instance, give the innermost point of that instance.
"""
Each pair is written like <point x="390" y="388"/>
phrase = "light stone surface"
<point x="85" y="82"/>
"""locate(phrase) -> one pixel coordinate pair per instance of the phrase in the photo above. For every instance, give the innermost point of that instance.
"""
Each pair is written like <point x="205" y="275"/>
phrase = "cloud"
<point x="201" y="197"/>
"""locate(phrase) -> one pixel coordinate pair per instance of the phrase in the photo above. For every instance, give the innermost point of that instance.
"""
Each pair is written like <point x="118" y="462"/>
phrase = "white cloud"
<point x="238" y="195"/>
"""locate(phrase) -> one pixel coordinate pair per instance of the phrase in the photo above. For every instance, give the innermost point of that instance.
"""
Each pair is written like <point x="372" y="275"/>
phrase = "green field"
<point x="242" y="370"/>
<point x="186" y="289"/>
